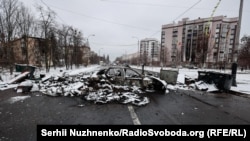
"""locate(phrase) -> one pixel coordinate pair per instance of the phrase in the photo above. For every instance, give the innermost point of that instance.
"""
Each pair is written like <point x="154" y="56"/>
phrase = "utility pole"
<point x="138" y="53"/>
<point x="236" y="46"/>
<point x="237" y="41"/>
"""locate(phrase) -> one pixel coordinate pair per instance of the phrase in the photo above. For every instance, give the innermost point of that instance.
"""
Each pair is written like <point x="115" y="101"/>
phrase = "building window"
<point x="217" y="40"/>
<point x="200" y="27"/>
<point x="231" y="41"/>
<point x="153" y="44"/>
<point x="218" y="26"/>
<point x="216" y="45"/>
<point x="232" y="27"/>
<point x="232" y="31"/>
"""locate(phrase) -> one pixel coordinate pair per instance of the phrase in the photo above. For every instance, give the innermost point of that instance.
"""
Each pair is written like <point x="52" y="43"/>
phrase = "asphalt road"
<point x="19" y="120"/>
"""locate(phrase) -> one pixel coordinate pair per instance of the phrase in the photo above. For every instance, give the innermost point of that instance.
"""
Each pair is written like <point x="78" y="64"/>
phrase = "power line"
<point x="50" y="9"/>
<point x="179" y="15"/>
<point x="162" y="5"/>
<point x="187" y="10"/>
<point x="141" y="4"/>
<point x="100" y="19"/>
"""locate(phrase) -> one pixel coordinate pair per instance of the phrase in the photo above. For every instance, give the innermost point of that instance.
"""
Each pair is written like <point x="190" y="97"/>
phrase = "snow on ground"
<point x="62" y="82"/>
<point x="17" y="98"/>
<point x="242" y="77"/>
<point x="85" y="70"/>
<point x="5" y="86"/>
<point x="243" y="83"/>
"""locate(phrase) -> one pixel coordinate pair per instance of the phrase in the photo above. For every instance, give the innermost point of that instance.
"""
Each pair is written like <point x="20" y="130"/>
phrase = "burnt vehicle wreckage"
<point x="126" y="76"/>
<point x="120" y="84"/>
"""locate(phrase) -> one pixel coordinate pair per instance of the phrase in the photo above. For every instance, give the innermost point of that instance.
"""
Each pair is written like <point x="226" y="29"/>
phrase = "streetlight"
<point x="139" y="55"/>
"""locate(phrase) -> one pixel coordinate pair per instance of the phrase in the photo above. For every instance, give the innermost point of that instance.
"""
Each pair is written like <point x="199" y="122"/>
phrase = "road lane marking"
<point x="133" y="115"/>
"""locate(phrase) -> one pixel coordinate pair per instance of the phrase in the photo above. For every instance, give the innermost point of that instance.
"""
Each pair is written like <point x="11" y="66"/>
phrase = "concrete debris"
<point x="203" y="86"/>
<point x="200" y="85"/>
<point x="19" y="78"/>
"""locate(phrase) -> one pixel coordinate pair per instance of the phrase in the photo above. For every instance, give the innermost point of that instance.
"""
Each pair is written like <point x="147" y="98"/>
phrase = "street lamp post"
<point x="139" y="56"/>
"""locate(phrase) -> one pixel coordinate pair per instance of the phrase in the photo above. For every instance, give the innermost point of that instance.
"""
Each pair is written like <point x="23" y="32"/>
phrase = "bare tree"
<point x="244" y="53"/>
<point x="94" y="58"/>
<point x="47" y="22"/>
<point x="54" y="49"/>
<point x="77" y="43"/>
<point x="64" y="35"/>
<point x="26" y="26"/>
<point x="8" y="24"/>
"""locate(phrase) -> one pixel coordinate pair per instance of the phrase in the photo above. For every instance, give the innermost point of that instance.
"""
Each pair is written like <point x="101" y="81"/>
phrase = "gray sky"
<point x="115" y="22"/>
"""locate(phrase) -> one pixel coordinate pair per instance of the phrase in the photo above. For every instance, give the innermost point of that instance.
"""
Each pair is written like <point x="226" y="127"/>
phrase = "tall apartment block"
<point x="204" y="42"/>
<point x="149" y="51"/>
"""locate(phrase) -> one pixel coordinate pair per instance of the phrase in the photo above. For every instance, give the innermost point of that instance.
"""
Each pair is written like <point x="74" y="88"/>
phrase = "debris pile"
<point x="100" y="92"/>
<point x="113" y="84"/>
<point x="93" y="86"/>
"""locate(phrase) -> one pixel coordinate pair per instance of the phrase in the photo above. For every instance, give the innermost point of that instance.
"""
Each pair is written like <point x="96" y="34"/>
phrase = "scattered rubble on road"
<point x="111" y="84"/>
<point x="100" y="86"/>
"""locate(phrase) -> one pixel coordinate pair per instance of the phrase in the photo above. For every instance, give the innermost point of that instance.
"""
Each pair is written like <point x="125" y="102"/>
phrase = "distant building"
<point x="208" y="42"/>
<point x="94" y="58"/>
<point x="85" y="54"/>
<point x="33" y="51"/>
<point x="130" y="58"/>
<point x="149" y="51"/>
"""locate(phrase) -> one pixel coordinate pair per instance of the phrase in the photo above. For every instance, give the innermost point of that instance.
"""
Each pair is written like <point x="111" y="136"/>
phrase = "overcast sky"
<point x="118" y="24"/>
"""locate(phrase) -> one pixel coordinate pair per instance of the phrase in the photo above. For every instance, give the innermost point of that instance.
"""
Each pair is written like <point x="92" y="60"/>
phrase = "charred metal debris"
<point x="111" y="84"/>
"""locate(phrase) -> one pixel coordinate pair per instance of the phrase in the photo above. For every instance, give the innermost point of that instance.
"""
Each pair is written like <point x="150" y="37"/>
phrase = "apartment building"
<point x="32" y="50"/>
<point x="85" y="54"/>
<point x="32" y="53"/>
<point x="149" y="51"/>
<point x="205" y="42"/>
